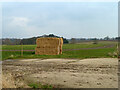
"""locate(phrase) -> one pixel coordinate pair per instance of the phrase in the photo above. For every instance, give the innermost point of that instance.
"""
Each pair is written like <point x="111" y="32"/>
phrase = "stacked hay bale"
<point x="61" y="43"/>
<point x="49" y="46"/>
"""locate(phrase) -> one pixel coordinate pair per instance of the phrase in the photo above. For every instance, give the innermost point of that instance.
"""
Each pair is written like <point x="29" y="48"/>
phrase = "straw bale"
<point x="61" y="43"/>
<point x="49" y="46"/>
<point x="47" y="42"/>
<point x="47" y="51"/>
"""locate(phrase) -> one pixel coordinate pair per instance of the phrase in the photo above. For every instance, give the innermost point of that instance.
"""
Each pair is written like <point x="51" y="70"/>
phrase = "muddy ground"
<point x="61" y="73"/>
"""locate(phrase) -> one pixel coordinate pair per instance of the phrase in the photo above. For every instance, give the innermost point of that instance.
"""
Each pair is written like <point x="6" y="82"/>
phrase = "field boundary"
<point x="108" y="46"/>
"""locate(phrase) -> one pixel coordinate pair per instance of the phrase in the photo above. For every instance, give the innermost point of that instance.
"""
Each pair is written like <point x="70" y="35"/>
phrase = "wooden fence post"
<point x="21" y="49"/>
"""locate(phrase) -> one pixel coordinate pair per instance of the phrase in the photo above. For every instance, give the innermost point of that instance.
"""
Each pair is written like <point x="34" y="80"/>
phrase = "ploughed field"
<point x="103" y="49"/>
<point x="60" y="73"/>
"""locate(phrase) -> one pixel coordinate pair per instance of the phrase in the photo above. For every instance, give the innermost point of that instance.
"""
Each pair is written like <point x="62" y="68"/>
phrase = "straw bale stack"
<point x="49" y="46"/>
<point x="61" y="43"/>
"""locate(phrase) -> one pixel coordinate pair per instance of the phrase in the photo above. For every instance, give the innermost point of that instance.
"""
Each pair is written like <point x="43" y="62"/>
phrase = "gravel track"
<point x="62" y="73"/>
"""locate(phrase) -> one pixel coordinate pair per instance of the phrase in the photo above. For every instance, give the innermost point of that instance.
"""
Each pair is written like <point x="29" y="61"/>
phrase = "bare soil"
<point x="61" y="73"/>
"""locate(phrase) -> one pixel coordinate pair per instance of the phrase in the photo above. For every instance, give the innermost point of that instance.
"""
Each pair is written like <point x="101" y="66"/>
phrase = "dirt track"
<point x="63" y="73"/>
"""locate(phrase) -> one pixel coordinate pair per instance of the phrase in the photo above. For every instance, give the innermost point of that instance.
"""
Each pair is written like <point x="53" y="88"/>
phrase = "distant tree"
<point x="32" y="40"/>
<point x="28" y="41"/>
<point x="107" y="38"/>
<point x="73" y="40"/>
<point x="117" y="38"/>
<point x="16" y="41"/>
<point x="51" y="35"/>
<point x="65" y="41"/>
<point x="8" y="42"/>
<point x="95" y="41"/>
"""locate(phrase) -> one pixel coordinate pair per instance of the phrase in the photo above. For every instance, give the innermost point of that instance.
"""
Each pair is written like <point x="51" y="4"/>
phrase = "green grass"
<point x="65" y="46"/>
<point x="35" y="85"/>
<point x="90" y="53"/>
<point x="87" y="45"/>
<point x="18" y="47"/>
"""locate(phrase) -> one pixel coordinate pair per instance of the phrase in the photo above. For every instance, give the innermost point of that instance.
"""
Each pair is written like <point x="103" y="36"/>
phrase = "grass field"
<point x="84" y="53"/>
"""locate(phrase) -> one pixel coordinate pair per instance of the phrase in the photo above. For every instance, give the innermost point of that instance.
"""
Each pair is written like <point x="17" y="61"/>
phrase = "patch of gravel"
<point x="63" y="73"/>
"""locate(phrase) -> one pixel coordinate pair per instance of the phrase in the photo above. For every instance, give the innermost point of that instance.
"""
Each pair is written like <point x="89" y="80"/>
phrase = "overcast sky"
<point x="67" y="19"/>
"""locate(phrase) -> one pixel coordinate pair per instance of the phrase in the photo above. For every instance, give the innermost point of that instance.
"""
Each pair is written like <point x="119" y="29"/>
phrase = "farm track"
<point x="62" y="73"/>
<point x="107" y="46"/>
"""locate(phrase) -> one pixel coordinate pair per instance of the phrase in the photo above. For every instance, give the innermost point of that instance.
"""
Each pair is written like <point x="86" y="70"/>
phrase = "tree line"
<point x="32" y="41"/>
<point x="28" y="41"/>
